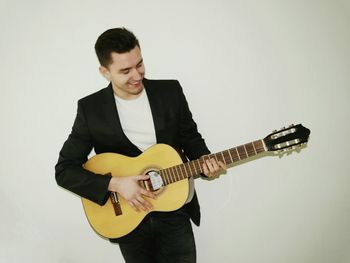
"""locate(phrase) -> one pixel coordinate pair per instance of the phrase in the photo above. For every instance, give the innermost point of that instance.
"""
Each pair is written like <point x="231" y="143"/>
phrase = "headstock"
<point x="287" y="138"/>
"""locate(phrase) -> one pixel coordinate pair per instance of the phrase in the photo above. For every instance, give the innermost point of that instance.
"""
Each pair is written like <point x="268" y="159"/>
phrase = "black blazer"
<point x="97" y="126"/>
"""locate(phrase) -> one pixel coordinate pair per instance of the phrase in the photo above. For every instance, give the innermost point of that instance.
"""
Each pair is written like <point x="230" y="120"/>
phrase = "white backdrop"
<point x="247" y="67"/>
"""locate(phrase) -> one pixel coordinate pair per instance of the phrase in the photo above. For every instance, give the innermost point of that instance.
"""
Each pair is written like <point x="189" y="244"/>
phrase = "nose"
<point x="137" y="74"/>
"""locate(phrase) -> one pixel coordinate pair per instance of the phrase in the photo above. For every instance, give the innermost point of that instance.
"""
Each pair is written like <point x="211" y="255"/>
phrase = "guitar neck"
<point x="228" y="157"/>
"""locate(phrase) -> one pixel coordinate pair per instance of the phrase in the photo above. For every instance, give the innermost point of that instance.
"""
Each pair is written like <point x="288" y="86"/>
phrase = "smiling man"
<point x="127" y="117"/>
<point x="126" y="73"/>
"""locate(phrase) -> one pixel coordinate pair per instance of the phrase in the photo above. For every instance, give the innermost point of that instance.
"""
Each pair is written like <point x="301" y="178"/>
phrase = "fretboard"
<point x="195" y="167"/>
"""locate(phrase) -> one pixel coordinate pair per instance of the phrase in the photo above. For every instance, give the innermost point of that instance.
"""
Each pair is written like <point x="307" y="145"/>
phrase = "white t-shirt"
<point x="137" y="120"/>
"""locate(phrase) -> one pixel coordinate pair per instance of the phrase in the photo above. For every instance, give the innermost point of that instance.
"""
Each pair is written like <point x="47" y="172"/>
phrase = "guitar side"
<point x="103" y="219"/>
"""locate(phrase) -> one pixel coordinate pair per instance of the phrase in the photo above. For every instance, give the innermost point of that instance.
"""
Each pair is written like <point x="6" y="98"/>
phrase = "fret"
<point x="228" y="157"/>
<point x="250" y="149"/>
<point x="183" y="171"/>
<point x="205" y="158"/>
<point x="188" y="173"/>
<point x="196" y="171"/>
<point x="223" y="158"/>
<point x="245" y="149"/>
<point x="190" y="168"/>
<point x="191" y="173"/>
<point x="216" y="157"/>
<point x="229" y="154"/>
<point x="194" y="167"/>
<point x="259" y="146"/>
<point x="239" y="157"/>
<point x="199" y="165"/>
<point x="178" y="167"/>
<point x="258" y="150"/>
<point x="219" y="157"/>
<point x="234" y="155"/>
<point x="166" y="171"/>
<point x="254" y="148"/>
<point x="161" y="172"/>
<point x="175" y="173"/>
<point x="173" y="176"/>
<point x="242" y="152"/>
<point x="163" y="175"/>
<point x="177" y="178"/>
<point x="180" y="172"/>
<point x="169" y="175"/>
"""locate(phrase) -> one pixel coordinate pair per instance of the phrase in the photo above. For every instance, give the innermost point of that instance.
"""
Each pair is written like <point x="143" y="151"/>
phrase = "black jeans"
<point x="162" y="237"/>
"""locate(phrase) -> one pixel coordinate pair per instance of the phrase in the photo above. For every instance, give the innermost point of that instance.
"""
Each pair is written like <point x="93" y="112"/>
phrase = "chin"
<point x="136" y="89"/>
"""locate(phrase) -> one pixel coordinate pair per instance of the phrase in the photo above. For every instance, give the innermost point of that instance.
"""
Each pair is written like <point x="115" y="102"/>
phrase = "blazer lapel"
<point x="157" y="106"/>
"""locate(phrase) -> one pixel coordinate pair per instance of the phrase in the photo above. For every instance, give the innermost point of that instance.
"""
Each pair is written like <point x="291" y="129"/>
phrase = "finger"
<point x="213" y="167"/>
<point x="133" y="206"/>
<point x="146" y="206"/>
<point x="147" y="193"/>
<point x="205" y="168"/>
<point x="209" y="170"/>
<point x="142" y="177"/>
<point x="214" y="164"/>
<point x="222" y="165"/>
<point x="141" y="204"/>
<point x="209" y="165"/>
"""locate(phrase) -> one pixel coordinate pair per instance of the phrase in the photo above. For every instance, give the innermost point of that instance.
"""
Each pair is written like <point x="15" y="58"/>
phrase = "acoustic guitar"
<point x="169" y="176"/>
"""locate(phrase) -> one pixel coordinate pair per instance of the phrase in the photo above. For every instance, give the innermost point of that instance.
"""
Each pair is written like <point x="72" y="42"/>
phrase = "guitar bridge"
<point x="116" y="204"/>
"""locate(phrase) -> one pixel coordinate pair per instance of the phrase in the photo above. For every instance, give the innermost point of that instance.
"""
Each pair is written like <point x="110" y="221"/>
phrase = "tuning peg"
<point x="283" y="128"/>
<point x="292" y="125"/>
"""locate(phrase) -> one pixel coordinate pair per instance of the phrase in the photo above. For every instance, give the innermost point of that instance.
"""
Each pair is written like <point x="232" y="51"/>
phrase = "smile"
<point x="136" y="83"/>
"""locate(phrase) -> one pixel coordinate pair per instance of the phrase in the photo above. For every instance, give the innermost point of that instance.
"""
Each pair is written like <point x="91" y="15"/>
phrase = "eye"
<point x="125" y="72"/>
<point x="139" y="65"/>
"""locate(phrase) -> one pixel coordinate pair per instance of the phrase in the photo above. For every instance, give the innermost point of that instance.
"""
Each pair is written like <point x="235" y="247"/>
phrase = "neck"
<point x="228" y="157"/>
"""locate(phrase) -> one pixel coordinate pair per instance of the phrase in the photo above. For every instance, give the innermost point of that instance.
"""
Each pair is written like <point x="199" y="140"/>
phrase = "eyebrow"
<point x="125" y="69"/>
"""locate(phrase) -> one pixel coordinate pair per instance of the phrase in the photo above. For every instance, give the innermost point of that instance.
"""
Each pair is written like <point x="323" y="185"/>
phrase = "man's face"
<point x="126" y="73"/>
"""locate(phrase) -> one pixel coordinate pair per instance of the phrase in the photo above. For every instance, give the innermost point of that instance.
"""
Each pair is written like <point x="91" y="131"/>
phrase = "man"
<point x="130" y="115"/>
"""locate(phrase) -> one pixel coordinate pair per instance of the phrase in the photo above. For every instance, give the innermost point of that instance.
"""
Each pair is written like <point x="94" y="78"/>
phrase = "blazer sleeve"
<point x="69" y="172"/>
<point x="190" y="139"/>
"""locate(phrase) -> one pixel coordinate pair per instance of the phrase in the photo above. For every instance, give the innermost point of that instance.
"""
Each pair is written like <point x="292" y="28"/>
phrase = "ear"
<point x="105" y="72"/>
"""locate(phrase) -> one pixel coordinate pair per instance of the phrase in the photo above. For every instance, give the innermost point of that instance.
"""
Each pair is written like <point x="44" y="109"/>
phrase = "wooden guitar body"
<point x="103" y="218"/>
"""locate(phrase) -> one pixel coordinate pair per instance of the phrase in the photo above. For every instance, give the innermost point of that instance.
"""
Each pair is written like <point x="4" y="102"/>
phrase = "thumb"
<point x="142" y="177"/>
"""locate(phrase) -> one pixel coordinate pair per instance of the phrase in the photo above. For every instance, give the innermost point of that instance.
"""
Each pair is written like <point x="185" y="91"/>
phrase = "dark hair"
<point x="118" y="40"/>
